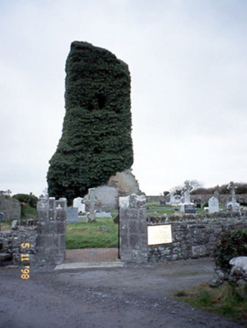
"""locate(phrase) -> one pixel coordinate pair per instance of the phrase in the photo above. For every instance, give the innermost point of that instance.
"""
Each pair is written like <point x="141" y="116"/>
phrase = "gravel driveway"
<point x="129" y="297"/>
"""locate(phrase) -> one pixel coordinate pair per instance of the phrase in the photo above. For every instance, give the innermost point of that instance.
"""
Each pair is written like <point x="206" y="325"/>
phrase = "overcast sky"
<point x="188" y="64"/>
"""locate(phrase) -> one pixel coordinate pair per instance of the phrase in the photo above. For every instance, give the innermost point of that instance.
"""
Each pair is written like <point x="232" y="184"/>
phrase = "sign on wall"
<point x="159" y="234"/>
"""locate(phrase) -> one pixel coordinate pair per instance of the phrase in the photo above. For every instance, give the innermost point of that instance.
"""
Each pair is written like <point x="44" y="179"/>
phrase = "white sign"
<point x="159" y="234"/>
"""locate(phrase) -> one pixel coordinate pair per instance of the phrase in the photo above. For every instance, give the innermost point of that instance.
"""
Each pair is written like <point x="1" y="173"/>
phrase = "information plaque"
<point x="159" y="234"/>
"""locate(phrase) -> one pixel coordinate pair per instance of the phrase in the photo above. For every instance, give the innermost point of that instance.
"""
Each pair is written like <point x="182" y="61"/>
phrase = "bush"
<point x="232" y="244"/>
<point x="30" y="199"/>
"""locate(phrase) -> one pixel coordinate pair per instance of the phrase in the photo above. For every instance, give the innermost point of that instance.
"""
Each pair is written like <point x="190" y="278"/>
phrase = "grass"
<point x="28" y="212"/>
<point x="227" y="300"/>
<point x="100" y="234"/>
<point x="5" y="225"/>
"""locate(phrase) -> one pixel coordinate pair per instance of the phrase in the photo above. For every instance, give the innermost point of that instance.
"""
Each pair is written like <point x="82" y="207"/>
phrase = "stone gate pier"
<point x="51" y="232"/>
<point x="133" y="228"/>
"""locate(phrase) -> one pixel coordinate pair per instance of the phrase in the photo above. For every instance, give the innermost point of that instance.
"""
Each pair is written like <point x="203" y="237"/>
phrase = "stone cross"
<point x="92" y="199"/>
<point x="233" y="206"/>
<point x="45" y="193"/>
<point x="186" y="192"/>
<point x="216" y="194"/>
<point x="232" y="188"/>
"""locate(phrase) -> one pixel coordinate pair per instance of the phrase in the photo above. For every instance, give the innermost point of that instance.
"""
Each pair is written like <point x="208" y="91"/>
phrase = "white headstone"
<point x="77" y="202"/>
<point x="174" y="199"/>
<point x="213" y="205"/>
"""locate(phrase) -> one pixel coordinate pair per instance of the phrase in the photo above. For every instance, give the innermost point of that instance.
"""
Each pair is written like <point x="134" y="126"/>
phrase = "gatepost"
<point x="133" y="228"/>
<point x="51" y="225"/>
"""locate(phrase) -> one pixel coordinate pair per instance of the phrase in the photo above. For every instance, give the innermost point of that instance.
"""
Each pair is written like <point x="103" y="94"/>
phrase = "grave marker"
<point x="213" y="205"/>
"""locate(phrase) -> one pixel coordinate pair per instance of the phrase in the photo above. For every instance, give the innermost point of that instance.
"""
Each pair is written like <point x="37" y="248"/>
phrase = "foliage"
<point x="28" y="212"/>
<point x="30" y="199"/>
<point x="193" y="183"/>
<point x="226" y="300"/>
<point x="241" y="189"/>
<point x="178" y="190"/>
<point x="90" y="235"/>
<point x="232" y="244"/>
<point x="96" y="139"/>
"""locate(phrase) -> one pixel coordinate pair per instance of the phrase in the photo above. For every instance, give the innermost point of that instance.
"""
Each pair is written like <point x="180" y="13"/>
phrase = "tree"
<point x="194" y="184"/>
<point x="178" y="190"/>
<point x="96" y="138"/>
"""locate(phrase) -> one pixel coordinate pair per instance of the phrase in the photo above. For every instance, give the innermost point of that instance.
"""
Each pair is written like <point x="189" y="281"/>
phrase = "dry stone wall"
<point x="45" y="237"/>
<point x="11" y="241"/>
<point x="193" y="238"/>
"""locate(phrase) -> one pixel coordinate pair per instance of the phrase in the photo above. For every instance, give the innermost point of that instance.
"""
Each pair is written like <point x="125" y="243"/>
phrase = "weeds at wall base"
<point x="227" y="300"/>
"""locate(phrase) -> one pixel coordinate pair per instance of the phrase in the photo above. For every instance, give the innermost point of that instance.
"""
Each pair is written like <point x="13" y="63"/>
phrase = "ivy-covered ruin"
<point x="96" y="138"/>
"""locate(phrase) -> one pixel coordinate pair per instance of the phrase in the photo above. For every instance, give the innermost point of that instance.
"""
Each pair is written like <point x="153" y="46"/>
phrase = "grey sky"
<point x="188" y="64"/>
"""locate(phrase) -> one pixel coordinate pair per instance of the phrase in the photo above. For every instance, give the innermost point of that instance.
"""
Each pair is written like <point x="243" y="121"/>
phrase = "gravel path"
<point x="130" y="297"/>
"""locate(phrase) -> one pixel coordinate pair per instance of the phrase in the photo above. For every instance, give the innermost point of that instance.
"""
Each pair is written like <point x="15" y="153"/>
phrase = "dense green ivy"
<point x="96" y="139"/>
<point x="232" y="244"/>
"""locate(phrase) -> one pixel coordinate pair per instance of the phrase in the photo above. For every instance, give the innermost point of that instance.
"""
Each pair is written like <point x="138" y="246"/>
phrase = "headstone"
<point x="213" y="205"/>
<point x="103" y="215"/>
<point x="14" y="225"/>
<point x="189" y="209"/>
<point x="77" y="202"/>
<point x="174" y="199"/>
<point x="92" y="200"/>
<point x="108" y="197"/>
<point x="72" y="215"/>
<point x="198" y="203"/>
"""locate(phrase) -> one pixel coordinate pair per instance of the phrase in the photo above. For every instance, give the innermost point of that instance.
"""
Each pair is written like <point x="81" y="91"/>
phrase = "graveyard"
<point x="165" y="244"/>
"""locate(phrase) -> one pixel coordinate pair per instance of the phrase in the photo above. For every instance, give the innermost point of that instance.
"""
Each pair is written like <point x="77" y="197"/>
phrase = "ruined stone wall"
<point x="11" y="241"/>
<point x="96" y="139"/>
<point x="11" y="208"/>
<point x="125" y="182"/>
<point x="45" y="237"/>
<point x="193" y="238"/>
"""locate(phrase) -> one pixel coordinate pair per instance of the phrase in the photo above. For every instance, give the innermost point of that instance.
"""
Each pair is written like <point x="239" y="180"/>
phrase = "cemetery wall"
<point x="152" y="198"/>
<point x="223" y="198"/>
<point x="193" y="238"/>
<point x="45" y="237"/>
<point x="11" y="241"/>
